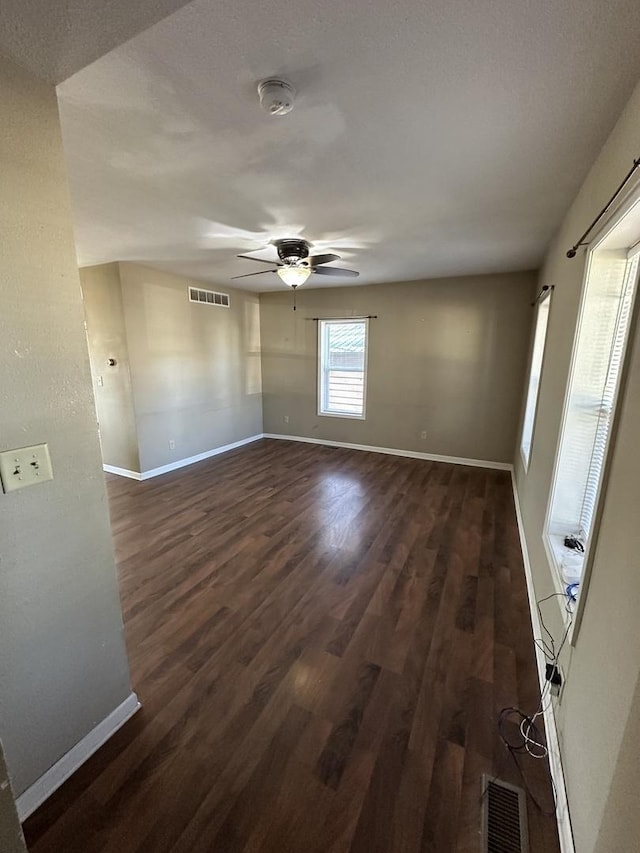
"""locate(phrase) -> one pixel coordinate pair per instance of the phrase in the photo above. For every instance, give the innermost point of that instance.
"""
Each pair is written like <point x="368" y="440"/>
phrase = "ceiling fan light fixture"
<point x="293" y="276"/>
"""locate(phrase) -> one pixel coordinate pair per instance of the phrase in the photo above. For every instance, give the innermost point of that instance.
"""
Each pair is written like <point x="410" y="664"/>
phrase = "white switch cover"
<point x="25" y="466"/>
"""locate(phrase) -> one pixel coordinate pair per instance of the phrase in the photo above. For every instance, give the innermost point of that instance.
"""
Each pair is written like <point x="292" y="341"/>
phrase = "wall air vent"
<point x="504" y="817"/>
<point x="209" y="297"/>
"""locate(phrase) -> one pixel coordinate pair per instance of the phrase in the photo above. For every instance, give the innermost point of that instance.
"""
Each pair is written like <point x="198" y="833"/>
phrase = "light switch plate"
<point x="25" y="466"/>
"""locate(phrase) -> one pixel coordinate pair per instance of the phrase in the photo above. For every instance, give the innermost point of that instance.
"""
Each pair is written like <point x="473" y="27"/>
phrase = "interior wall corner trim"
<point x="393" y="451"/>
<point x="66" y="766"/>
<point x="563" y="817"/>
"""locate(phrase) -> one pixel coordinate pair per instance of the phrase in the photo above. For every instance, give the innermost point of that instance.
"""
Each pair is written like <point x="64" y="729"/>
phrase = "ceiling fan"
<point x="295" y="264"/>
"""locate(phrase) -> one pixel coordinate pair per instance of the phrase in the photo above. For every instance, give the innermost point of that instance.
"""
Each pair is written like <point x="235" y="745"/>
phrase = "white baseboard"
<point x="50" y="781"/>
<point x="392" y="451"/>
<point x="180" y="463"/>
<point x="553" y="743"/>
<point x="122" y="472"/>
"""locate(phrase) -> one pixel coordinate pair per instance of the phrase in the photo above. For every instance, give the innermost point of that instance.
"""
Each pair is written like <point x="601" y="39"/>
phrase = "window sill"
<point x="566" y="562"/>
<point x="342" y="415"/>
<point x="556" y="551"/>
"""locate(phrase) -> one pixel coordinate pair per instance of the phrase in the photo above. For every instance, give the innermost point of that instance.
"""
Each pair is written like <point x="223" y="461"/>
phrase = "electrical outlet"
<point x="286" y="419"/>
<point x="557" y="692"/>
<point x="172" y="444"/>
<point x="25" y="466"/>
<point x="423" y="434"/>
<point x="555" y="677"/>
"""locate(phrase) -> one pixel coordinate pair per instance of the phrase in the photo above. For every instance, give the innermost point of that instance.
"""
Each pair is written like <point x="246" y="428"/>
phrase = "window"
<point x="539" y="338"/>
<point x="596" y="373"/>
<point x="342" y="367"/>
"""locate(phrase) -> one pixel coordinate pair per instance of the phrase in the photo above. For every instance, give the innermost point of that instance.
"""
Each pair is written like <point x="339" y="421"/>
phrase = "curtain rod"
<point x="363" y="317"/>
<point x="543" y="292"/>
<point x="582" y="241"/>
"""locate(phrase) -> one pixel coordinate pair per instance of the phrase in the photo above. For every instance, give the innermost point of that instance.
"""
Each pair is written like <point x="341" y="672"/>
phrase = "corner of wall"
<point x="593" y="718"/>
<point x="63" y="661"/>
<point x="110" y="364"/>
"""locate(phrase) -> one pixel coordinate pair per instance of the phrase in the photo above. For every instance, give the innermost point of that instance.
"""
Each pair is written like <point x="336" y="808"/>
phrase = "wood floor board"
<point x="469" y="827"/>
<point x="439" y="831"/>
<point x="322" y="640"/>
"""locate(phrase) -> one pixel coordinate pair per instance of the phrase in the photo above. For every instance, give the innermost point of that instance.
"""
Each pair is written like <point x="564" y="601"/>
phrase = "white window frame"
<point x="632" y="203"/>
<point x="532" y="396"/>
<point x="349" y="415"/>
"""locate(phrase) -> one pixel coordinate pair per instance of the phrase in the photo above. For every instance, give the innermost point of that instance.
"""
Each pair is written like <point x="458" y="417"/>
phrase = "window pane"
<point x="596" y="370"/>
<point x="542" y="320"/>
<point x="342" y="360"/>
<point x="605" y="410"/>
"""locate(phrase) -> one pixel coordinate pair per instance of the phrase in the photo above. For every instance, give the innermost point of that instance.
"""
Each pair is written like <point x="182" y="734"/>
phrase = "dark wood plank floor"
<point x="322" y="640"/>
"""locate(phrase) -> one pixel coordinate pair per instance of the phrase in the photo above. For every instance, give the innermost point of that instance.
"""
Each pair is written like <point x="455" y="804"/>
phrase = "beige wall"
<point x="63" y="665"/>
<point x="602" y="670"/>
<point x="195" y="369"/>
<point x="445" y="356"/>
<point x="104" y="315"/>
<point x="619" y="830"/>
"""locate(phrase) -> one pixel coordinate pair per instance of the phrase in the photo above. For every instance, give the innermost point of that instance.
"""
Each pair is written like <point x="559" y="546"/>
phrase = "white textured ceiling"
<point x="430" y="137"/>
<point x="56" y="38"/>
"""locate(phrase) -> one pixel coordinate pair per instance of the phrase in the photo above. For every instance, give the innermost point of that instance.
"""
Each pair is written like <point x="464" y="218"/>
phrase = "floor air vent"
<point x="208" y="297"/>
<point x="504" y="817"/>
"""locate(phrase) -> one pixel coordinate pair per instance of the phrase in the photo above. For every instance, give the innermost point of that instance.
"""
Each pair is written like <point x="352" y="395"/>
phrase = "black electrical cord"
<point x="514" y="752"/>
<point x="573" y="543"/>
<point x="531" y="740"/>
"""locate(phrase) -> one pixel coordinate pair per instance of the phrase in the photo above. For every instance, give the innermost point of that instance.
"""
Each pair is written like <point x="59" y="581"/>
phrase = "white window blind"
<point x="605" y="410"/>
<point x="594" y="382"/>
<point x="342" y="366"/>
<point x="539" y="338"/>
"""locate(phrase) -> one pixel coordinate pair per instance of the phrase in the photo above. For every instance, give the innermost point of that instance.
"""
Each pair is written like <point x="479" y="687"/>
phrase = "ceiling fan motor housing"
<point x="295" y="264"/>
<point x="276" y="97"/>
<point x="292" y="251"/>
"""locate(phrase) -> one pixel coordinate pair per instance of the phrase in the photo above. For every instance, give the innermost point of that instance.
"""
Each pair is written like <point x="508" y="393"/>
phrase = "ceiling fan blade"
<point x="316" y="260"/>
<point x="259" y="260"/>
<point x="246" y="275"/>
<point x="335" y="271"/>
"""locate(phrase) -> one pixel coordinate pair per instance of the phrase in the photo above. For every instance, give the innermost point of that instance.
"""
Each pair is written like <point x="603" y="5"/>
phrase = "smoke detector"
<point x="276" y="97"/>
